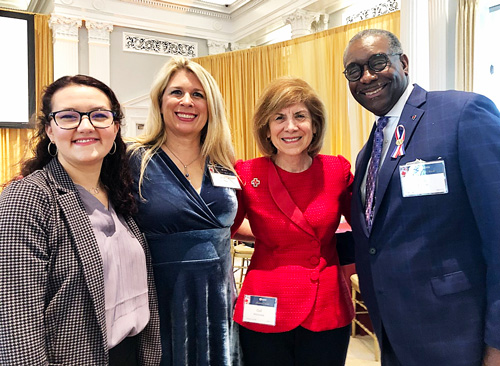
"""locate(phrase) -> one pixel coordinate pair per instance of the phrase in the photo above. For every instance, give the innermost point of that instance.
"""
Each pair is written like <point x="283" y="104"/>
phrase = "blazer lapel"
<point x="87" y="250"/>
<point x="85" y="244"/>
<point x="410" y="117"/>
<point x="284" y="202"/>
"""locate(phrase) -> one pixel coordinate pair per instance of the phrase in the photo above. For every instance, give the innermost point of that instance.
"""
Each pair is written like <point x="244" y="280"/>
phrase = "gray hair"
<point x="394" y="43"/>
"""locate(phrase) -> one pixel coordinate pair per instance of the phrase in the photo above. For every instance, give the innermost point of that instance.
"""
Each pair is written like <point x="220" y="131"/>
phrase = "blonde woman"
<point x="184" y="181"/>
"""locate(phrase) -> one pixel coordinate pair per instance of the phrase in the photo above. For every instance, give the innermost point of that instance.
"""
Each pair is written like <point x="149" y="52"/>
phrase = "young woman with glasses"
<point x="75" y="271"/>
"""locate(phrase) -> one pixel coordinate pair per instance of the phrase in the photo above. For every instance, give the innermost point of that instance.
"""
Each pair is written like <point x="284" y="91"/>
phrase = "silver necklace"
<point x="93" y="190"/>
<point x="186" y="172"/>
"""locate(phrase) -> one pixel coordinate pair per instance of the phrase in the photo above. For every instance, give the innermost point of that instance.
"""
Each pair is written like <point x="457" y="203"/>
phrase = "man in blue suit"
<point x="426" y="213"/>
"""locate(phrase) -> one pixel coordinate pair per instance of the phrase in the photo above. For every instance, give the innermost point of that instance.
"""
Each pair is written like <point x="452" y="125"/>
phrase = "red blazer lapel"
<point x="284" y="202"/>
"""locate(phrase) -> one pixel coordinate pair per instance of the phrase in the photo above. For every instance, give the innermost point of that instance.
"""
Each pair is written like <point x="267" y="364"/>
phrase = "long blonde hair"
<point x="215" y="137"/>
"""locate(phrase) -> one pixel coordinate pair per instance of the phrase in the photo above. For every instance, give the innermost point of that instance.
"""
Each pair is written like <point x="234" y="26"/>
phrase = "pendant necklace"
<point x="93" y="190"/>
<point x="186" y="172"/>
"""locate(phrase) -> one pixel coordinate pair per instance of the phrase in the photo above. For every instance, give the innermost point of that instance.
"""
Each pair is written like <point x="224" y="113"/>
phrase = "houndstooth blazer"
<point x="51" y="278"/>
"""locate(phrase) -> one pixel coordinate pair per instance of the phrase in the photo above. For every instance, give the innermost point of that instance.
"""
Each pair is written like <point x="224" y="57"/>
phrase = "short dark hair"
<point x="115" y="173"/>
<point x="394" y="43"/>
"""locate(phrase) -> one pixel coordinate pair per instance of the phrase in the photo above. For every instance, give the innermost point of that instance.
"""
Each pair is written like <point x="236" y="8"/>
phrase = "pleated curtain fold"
<point x="464" y="64"/>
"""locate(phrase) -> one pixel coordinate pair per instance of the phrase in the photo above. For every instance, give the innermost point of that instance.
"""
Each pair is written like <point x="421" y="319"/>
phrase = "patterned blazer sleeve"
<point x="24" y="220"/>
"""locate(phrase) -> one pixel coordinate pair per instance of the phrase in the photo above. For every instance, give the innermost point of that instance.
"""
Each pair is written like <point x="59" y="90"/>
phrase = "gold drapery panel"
<point x="14" y="141"/>
<point x="317" y="58"/>
<point x="44" y="55"/>
<point x="464" y="64"/>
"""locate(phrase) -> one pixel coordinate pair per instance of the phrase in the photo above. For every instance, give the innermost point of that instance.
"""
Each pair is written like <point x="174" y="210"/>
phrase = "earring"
<point x="50" y="152"/>
<point x="113" y="149"/>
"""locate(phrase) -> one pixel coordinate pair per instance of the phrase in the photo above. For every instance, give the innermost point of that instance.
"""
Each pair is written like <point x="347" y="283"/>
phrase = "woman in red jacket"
<point x="294" y="307"/>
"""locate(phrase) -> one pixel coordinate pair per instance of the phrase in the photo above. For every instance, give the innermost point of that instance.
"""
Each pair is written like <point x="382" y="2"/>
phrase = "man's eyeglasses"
<point x="69" y="119"/>
<point x="376" y="63"/>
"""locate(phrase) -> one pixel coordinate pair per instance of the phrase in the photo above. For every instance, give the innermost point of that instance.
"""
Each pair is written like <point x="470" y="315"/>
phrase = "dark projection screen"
<point x="17" y="69"/>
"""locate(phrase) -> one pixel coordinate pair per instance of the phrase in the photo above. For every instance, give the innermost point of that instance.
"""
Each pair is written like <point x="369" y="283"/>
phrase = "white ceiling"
<point x="232" y="21"/>
<point x="15" y="4"/>
<point x="220" y="2"/>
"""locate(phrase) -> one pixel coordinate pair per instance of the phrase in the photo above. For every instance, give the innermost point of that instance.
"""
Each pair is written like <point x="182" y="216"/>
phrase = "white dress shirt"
<point x="394" y="115"/>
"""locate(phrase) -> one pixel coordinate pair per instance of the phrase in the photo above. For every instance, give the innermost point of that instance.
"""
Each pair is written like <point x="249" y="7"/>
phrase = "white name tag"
<point x="421" y="178"/>
<point x="222" y="177"/>
<point x="260" y="309"/>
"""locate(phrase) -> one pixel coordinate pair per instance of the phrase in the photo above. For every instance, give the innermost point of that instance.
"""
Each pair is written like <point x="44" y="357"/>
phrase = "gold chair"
<point x="360" y="304"/>
<point x="241" y="259"/>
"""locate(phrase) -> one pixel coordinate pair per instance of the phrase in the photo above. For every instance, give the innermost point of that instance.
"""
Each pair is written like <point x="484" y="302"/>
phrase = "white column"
<point x="99" y="62"/>
<point x="65" y="39"/>
<point x="415" y="39"/>
<point x="320" y="22"/>
<point x="300" y="21"/>
<point x="235" y="46"/>
<point x="441" y="29"/>
<point x="216" y="47"/>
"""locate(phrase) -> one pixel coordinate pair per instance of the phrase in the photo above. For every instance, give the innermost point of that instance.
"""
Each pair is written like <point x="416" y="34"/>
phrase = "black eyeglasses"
<point x="69" y="119"/>
<point x="376" y="63"/>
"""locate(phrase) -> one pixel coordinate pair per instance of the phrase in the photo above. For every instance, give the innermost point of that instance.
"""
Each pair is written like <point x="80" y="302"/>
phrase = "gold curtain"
<point x="464" y="64"/>
<point x="14" y="141"/>
<point x="317" y="58"/>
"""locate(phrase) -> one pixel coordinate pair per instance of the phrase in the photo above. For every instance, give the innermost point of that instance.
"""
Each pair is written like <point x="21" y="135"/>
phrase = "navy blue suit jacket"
<point x="430" y="269"/>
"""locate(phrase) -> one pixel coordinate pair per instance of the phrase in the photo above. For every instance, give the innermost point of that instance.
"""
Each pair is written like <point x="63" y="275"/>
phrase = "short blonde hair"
<point x="215" y="137"/>
<point x="279" y="94"/>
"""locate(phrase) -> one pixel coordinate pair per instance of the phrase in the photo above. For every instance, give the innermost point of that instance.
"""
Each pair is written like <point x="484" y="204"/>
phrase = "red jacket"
<point x="294" y="217"/>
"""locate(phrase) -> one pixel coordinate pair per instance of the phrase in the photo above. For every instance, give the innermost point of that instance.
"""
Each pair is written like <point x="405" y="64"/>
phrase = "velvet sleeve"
<point x="241" y="213"/>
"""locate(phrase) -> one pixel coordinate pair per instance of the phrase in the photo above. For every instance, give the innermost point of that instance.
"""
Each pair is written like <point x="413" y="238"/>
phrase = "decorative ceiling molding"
<point x="180" y="8"/>
<point x="158" y="46"/>
<point x="98" y="32"/>
<point x="245" y="7"/>
<point x="244" y="21"/>
<point x="384" y="7"/>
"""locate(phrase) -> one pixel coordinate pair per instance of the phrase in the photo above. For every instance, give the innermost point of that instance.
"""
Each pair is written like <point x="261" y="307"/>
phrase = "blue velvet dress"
<point x="189" y="237"/>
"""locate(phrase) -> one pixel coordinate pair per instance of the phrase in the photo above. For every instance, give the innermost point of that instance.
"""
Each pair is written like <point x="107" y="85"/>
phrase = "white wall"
<point x="132" y="73"/>
<point x="487" y="55"/>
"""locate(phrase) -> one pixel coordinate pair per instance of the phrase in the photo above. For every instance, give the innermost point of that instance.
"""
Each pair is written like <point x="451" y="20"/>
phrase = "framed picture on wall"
<point x="17" y="69"/>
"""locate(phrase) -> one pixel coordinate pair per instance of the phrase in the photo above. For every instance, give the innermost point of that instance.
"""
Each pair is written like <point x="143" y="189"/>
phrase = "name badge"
<point x="421" y="178"/>
<point x="222" y="177"/>
<point x="260" y="309"/>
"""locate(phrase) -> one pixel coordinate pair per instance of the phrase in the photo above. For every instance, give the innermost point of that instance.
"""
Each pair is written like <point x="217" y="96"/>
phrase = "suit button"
<point x="314" y="261"/>
<point x="372" y="251"/>
<point x="314" y="276"/>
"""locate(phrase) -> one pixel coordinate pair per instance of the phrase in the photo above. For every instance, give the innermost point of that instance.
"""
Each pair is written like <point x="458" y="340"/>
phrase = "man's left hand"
<point x="491" y="357"/>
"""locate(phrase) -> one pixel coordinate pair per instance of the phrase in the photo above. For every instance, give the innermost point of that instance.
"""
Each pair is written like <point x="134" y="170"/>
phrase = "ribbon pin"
<point x="399" y="150"/>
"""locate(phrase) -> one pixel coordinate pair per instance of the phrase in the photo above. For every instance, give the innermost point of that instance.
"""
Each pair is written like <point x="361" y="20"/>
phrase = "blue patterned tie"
<point x="371" y="179"/>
